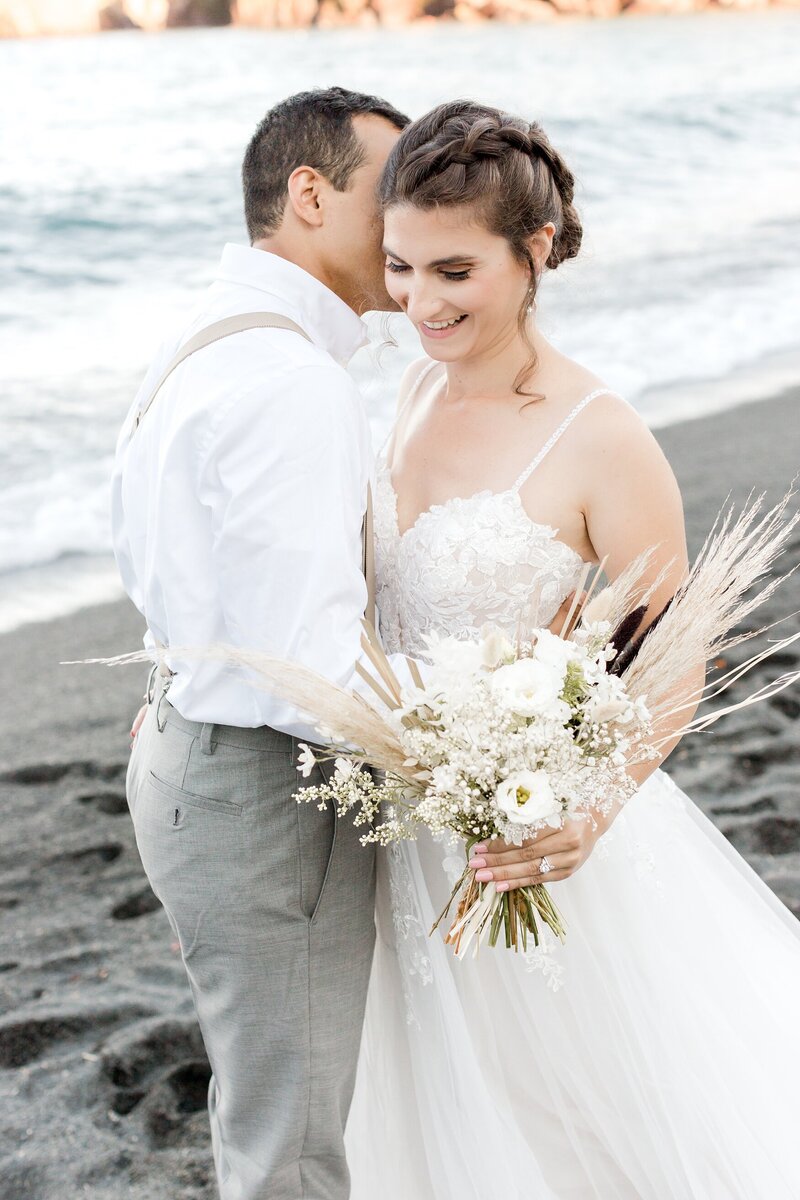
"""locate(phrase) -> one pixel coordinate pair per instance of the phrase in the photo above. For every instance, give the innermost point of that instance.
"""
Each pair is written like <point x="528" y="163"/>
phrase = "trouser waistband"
<point x="262" y="737"/>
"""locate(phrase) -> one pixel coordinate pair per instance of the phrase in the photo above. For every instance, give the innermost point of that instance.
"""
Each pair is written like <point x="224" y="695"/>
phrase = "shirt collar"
<point x="328" y="321"/>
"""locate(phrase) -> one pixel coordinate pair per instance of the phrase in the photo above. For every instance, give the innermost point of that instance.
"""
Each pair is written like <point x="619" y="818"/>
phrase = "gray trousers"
<point x="272" y="903"/>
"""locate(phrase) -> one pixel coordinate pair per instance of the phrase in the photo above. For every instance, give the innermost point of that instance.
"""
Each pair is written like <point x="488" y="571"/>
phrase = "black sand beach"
<point x="102" y="1071"/>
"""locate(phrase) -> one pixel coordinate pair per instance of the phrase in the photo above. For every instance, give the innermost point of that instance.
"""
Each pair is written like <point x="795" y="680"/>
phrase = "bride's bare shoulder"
<point x="615" y="443"/>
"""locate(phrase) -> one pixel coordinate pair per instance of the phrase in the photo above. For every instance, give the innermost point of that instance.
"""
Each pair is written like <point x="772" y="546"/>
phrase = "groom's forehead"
<point x="377" y="136"/>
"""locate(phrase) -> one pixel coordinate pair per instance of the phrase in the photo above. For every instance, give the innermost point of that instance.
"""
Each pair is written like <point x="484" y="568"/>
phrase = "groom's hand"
<point x="137" y="722"/>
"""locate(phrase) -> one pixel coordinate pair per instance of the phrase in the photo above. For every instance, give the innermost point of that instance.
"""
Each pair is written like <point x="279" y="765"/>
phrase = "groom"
<point x="239" y="493"/>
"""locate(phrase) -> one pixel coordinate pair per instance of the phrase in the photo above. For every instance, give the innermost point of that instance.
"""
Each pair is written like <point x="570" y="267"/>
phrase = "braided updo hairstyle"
<point x="468" y="154"/>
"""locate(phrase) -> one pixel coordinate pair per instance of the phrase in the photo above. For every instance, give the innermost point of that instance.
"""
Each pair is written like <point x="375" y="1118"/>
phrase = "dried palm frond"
<point x="702" y="619"/>
<point x="626" y="592"/>
<point x="345" y="715"/>
<point x="623" y="636"/>
<point x="629" y="653"/>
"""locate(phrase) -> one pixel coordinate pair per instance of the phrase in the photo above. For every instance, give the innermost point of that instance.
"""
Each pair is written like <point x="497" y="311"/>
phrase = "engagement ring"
<point x="544" y="867"/>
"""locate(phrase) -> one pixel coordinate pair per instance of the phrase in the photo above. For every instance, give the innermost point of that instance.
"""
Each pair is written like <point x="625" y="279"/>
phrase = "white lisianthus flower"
<point x="531" y="689"/>
<point x="554" y="651"/>
<point x="527" y="797"/>
<point x="306" y="760"/>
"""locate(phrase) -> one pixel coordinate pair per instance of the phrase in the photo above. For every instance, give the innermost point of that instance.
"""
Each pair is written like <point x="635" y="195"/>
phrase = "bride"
<point x="656" y="1055"/>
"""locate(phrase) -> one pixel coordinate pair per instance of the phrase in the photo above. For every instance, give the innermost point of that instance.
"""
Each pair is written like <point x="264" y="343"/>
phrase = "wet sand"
<point x="102" y="1072"/>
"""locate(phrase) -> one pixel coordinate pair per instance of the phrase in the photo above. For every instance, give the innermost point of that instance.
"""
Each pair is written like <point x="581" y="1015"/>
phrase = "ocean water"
<point x="119" y="184"/>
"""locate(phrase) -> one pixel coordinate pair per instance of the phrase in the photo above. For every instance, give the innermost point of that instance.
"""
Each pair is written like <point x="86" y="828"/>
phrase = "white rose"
<point x="530" y="689"/>
<point x="527" y="797"/>
<point x="454" y="656"/>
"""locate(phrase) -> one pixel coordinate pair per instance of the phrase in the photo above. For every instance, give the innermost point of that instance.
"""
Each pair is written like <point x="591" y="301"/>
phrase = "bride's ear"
<point x="540" y="244"/>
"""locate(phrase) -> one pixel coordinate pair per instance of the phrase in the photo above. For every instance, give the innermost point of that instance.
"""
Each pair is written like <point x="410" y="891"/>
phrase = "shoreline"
<point x="77" y="582"/>
<point x="102" y="1072"/>
<point x="19" y="21"/>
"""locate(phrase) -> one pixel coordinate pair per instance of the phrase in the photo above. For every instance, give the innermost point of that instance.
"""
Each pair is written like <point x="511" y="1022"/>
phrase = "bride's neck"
<point x="494" y="374"/>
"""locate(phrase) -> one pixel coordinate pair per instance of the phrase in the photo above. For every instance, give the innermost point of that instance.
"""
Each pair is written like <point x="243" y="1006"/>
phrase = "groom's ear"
<point x="306" y="187"/>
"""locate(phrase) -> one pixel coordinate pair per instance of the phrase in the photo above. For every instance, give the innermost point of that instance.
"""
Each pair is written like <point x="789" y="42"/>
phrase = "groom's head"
<point x="310" y="177"/>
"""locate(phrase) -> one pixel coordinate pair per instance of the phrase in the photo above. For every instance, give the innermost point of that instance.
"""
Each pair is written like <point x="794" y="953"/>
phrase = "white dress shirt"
<point x="237" y="506"/>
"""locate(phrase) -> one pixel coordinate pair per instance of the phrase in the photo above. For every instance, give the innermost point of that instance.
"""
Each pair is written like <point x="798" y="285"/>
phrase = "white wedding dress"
<point x="654" y="1056"/>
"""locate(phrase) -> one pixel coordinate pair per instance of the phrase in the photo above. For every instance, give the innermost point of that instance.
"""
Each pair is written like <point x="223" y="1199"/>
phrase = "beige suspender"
<point x="266" y="320"/>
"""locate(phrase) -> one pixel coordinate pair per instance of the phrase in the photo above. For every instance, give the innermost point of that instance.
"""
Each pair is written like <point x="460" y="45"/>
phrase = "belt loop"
<point x="206" y="734"/>
<point x="150" y="690"/>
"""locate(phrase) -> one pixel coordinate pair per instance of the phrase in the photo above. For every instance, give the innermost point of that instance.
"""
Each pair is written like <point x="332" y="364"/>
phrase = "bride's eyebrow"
<point x="451" y="261"/>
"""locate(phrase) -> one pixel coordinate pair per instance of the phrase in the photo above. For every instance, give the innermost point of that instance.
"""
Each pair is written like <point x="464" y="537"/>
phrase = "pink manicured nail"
<point x="502" y="887"/>
<point x="477" y="862"/>
<point x="479" y="849"/>
<point x="483" y="876"/>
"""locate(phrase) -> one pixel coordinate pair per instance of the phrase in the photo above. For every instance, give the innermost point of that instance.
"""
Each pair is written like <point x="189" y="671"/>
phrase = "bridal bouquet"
<point x="501" y="741"/>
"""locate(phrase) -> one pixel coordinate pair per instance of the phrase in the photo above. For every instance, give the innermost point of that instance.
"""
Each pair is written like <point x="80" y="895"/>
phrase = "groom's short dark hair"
<point x="312" y="129"/>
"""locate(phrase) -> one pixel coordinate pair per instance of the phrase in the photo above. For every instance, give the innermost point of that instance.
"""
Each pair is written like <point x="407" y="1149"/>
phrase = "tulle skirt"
<point x="654" y="1056"/>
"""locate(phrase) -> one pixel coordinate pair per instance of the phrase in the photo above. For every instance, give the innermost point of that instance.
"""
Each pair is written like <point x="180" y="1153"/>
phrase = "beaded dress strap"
<point x="551" y="441"/>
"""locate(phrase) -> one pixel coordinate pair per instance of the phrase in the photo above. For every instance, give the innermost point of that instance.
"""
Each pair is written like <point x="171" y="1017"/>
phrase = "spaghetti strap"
<point x="551" y="441"/>
<point x="417" y="384"/>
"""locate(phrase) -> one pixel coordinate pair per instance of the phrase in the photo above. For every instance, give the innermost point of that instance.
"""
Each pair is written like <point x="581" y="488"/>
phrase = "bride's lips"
<point x="426" y="331"/>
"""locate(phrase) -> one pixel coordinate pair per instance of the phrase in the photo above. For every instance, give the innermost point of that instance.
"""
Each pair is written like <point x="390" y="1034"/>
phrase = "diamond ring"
<point x="544" y="867"/>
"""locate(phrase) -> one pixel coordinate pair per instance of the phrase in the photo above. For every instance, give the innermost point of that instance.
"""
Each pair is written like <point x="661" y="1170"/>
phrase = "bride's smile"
<point x="460" y="285"/>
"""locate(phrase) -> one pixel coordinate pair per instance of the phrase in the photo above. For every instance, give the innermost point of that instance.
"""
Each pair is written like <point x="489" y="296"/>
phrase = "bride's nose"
<point x="422" y="303"/>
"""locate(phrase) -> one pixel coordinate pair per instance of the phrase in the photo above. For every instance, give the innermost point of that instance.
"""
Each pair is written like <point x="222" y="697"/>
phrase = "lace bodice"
<point x="468" y="562"/>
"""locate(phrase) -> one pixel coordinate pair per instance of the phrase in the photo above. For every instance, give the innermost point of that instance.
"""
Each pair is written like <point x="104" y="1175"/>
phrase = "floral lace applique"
<point x="542" y="958"/>
<point x="411" y="936"/>
<point x="465" y="564"/>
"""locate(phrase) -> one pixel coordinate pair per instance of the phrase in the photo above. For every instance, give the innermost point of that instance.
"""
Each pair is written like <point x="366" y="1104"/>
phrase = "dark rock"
<point x="113" y="16"/>
<point x="113" y="803"/>
<point x="134" y="1057"/>
<point x="183" y="13"/>
<point x="178" y="1095"/>
<point x="25" y="1038"/>
<point x="138" y="905"/>
<point x="770" y="835"/>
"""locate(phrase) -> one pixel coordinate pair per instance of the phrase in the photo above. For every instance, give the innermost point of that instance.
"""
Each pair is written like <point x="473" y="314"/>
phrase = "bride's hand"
<point x="566" y="850"/>
<point x="557" y="623"/>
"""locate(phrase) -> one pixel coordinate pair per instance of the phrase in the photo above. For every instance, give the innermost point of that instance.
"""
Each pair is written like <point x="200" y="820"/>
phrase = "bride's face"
<point x="460" y="285"/>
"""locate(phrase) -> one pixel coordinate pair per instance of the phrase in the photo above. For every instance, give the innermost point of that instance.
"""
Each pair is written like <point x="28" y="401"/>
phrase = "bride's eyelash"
<point x="398" y="268"/>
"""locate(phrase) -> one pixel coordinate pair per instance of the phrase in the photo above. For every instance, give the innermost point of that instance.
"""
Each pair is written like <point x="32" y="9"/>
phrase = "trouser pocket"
<point x="316" y="846"/>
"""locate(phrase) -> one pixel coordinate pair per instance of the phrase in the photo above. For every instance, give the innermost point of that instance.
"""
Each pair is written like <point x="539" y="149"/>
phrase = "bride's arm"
<point x="631" y="503"/>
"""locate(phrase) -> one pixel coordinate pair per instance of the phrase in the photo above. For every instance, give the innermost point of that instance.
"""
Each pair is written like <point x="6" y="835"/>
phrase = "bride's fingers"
<point x="549" y="841"/>
<point x="523" y="874"/>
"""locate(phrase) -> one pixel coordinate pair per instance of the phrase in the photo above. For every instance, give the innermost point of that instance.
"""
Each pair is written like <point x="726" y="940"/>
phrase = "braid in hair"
<point x="567" y="241"/>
